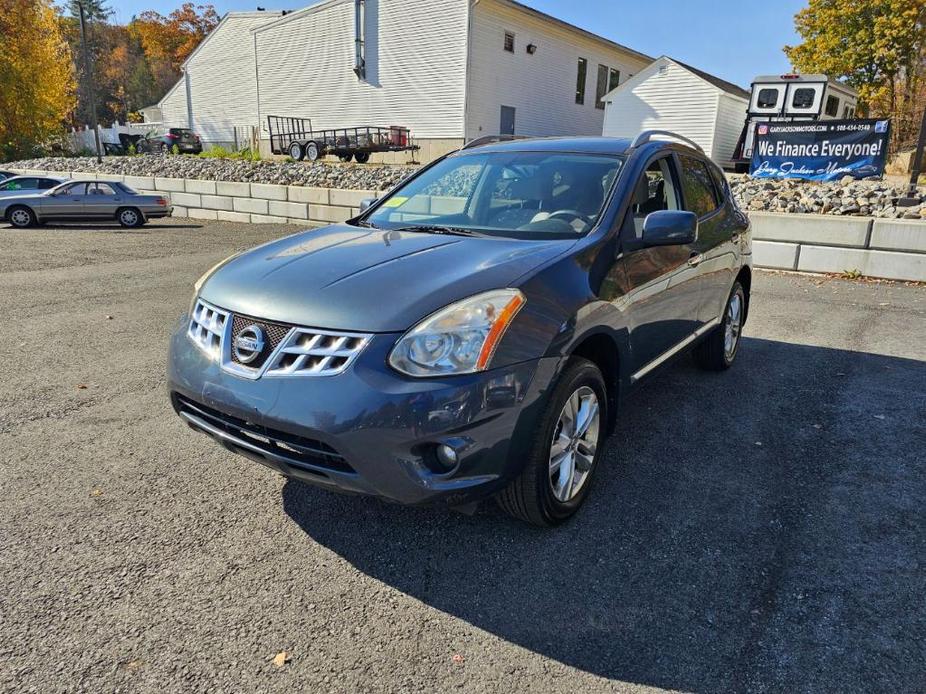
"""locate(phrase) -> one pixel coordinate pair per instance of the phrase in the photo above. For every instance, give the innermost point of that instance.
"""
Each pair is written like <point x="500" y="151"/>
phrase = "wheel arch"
<point x="745" y="278"/>
<point x="603" y="350"/>
<point x="10" y="208"/>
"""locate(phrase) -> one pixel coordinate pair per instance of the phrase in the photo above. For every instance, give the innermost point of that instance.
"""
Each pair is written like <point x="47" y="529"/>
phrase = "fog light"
<point x="446" y="456"/>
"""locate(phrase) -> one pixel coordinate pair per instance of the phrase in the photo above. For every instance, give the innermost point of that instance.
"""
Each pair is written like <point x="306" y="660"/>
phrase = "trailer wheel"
<point x="311" y="151"/>
<point x="296" y="151"/>
<point x="362" y="157"/>
<point x="346" y="157"/>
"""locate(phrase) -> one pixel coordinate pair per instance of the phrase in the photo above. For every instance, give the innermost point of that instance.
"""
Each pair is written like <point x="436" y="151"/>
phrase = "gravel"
<point x="848" y="197"/>
<point x="758" y="530"/>
<point x="318" y="174"/>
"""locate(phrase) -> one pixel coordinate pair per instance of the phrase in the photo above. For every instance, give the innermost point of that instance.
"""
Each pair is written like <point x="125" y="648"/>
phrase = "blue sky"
<point x="735" y="40"/>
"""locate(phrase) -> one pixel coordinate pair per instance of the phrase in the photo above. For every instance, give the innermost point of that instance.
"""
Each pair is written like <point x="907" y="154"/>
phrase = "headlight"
<point x="458" y="339"/>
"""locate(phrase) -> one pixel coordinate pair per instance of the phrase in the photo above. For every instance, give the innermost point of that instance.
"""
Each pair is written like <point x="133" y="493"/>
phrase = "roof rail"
<point x="492" y="139"/>
<point x="649" y="135"/>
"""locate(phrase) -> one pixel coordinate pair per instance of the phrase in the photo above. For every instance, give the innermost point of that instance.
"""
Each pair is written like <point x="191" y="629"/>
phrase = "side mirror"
<point x="670" y="228"/>
<point x="366" y="204"/>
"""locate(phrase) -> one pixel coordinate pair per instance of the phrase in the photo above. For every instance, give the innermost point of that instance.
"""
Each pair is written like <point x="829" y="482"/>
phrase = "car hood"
<point x="369" y="280"/>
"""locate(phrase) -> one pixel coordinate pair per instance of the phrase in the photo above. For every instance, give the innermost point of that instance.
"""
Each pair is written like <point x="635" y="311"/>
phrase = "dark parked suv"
<point x="186" y="141"/>
<point x="473" y="332"/>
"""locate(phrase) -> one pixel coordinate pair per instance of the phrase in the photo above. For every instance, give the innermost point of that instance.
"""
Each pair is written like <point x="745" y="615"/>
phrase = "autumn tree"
<point x="168" y="41"/>
<point x="876" y="46"/>
<point x="36" y="74"/>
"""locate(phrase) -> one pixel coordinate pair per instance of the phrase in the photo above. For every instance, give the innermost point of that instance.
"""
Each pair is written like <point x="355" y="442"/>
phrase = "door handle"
<point x="695" y="259"/>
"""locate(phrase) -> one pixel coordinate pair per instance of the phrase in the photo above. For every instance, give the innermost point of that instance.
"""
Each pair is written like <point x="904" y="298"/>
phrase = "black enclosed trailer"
<point x="297" y="138"/>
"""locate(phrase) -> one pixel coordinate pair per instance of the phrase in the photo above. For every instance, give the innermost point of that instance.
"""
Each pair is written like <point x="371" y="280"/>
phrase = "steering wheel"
<point x="573" y="215"/>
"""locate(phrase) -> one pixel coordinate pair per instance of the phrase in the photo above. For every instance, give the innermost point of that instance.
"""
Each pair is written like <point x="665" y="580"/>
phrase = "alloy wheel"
<point x="733" y="325"/>
<point x="129" y="218"/>
<point x="575" y="440"/>
<point x="21" y="218"/>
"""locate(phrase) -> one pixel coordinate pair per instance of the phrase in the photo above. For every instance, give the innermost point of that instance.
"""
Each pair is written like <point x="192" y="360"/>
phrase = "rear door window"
<point x="22" y="184"/>
<point x="767" y="98"/>
<point x="803" y="97"/>
<point x="698" y="188"/>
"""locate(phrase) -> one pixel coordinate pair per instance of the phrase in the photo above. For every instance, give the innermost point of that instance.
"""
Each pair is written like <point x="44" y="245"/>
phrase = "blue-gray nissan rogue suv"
<point x="472" y="332"/>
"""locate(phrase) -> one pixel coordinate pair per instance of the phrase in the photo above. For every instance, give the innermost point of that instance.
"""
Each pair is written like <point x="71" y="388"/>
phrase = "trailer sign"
<point x="820" y="150"/>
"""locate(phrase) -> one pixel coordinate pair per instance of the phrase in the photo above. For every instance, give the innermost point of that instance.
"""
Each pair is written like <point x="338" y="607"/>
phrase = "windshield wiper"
<point x="437" y="229"/>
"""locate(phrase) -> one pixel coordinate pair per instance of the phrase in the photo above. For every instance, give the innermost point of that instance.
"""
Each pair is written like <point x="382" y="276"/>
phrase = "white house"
<point x="670" y="95"/>
<point x="450" y="70"/>
<point x="218" y="89"/>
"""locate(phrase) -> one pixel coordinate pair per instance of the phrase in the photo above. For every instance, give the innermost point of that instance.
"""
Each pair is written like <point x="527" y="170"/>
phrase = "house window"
<point x="509" y="42"/>
<point x="614" y="79"/>
<point x="580" y="80"/>
<point x="832" y="106"/>
<point x="849" y="112"/>
<point x="601" y="86"/>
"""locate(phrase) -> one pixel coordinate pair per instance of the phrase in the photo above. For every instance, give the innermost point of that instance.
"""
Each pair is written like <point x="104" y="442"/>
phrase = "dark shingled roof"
<point x="728" y="87"/>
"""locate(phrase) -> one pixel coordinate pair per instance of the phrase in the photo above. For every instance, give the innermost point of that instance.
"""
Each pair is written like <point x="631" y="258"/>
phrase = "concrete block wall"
<point x="257" y="203"/>
<point x="888" y="248"/>
<point x="891" y="249"/>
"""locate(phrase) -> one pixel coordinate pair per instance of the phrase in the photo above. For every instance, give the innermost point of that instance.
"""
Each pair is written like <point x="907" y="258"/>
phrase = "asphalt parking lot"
<point x="758" y="530"/>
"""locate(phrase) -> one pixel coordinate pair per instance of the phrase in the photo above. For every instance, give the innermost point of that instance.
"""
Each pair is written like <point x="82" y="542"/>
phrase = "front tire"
<point x="362" y="157"/>
<point x="719" y="349"/>
<point x="559" y="469"/>
<point x="129" y="217"/>
<point x="311" y="151"/>
<point x="21" y="217"/>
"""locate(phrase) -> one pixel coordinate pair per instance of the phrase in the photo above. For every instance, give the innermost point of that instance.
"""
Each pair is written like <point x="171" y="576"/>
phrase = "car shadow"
<point x="108" y="228"/>
<point x="759" y="529"/>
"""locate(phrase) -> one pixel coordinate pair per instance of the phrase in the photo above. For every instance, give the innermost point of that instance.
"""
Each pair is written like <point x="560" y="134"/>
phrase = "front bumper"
<point x="368" y="430"/>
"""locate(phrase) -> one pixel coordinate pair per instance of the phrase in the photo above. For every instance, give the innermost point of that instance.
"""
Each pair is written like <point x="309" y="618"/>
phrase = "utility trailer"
<point x="297" y="138"/>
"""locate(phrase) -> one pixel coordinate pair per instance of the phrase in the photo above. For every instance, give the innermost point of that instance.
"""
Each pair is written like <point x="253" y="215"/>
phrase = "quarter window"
<point x="803" y="97"/>
<point x="832" y="106"/>
<point x="697" y="187"/>
<point x="581" y="76"/>
<point x="509" y="42"/>
<point x="601" y="86"/>
<point x="768" y="98"/>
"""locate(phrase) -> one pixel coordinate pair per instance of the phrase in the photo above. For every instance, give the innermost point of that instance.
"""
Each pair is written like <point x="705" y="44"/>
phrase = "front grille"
<point x="295" y="450"/>
<point x="288" y="350"/>
<point x="207" y="328"/>
<point x="275" y="333"/>
<point x="316" y="353"/>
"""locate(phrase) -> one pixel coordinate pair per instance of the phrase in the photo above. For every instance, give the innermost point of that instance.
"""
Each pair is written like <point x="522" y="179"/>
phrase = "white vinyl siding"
<point x="173" y="106"/>
<point x="665" y="96"/>
<point x="415" y="66"/>
<point x="222" y="89"/>
<point x="541" y="87"/>
<point x="731" y="117"/>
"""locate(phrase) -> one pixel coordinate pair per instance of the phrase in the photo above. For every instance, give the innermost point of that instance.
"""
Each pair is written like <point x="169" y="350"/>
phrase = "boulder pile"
<point x="846" y="197"/>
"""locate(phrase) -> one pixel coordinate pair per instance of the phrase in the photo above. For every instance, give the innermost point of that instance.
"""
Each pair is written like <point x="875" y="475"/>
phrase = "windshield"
<point x="518" y="194"/>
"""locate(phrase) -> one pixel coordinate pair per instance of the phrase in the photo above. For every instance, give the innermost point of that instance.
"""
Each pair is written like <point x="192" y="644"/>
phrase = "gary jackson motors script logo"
<point x="249" y="343"/>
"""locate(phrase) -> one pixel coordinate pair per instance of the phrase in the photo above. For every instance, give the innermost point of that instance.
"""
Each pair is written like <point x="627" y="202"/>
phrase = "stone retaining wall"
<point x="242" y="202"/>
<point x="891" y="249"/>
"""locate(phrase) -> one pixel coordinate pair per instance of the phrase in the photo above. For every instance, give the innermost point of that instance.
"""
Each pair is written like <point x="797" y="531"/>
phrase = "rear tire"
<point x="362" y="157"/>
<point x="130" y="217"/>
<point x="21" y="217"/>
<point x="296" y="151"/>
<point x="554" y="483"/>
<point x="311" y="151"/>
<point x="718" y="350"/>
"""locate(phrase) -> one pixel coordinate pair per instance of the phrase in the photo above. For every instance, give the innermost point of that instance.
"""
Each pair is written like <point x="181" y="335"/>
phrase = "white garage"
<point x="670" y="95"/>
